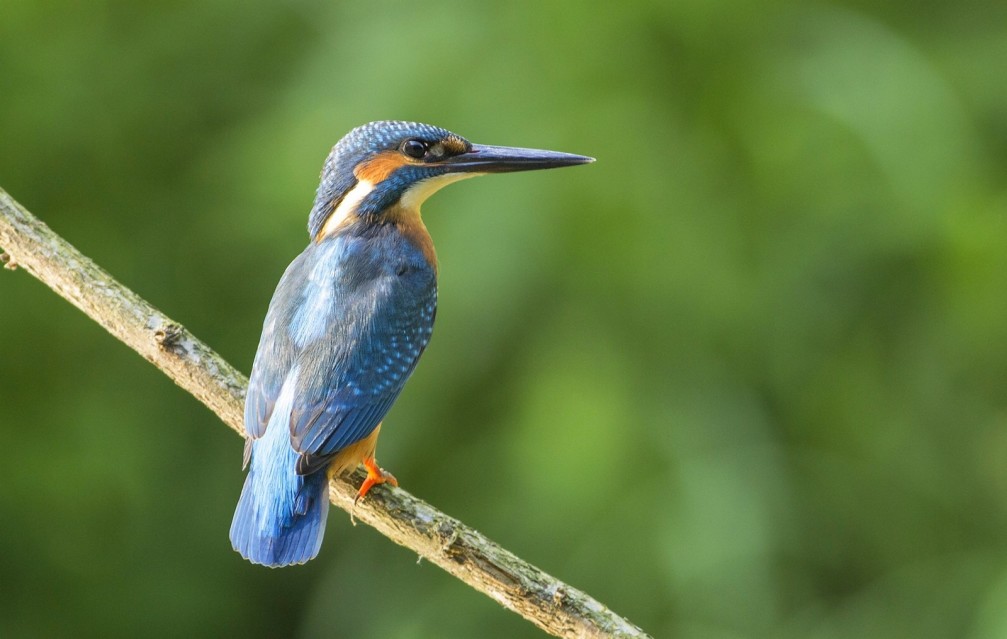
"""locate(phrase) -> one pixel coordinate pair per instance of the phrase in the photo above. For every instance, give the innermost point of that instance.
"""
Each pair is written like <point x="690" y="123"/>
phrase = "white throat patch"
<point x="417" y="194"/>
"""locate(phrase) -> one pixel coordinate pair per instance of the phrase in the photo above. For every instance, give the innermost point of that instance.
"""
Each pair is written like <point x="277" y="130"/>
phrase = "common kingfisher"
<point x="348" y="321"/>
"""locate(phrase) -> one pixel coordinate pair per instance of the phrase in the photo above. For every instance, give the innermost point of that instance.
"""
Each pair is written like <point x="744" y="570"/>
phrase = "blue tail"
<point x="270" y="530"/>
<point x="280" y="519"/>
<point x="274" y="532"/>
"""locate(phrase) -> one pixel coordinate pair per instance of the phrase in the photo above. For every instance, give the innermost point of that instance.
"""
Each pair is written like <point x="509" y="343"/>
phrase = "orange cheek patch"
<point x="379" y="167"/>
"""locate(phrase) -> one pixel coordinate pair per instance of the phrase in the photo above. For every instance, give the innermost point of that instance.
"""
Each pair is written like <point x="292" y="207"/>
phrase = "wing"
<point x="350" y="326"/>
<point x="374" y="338"/>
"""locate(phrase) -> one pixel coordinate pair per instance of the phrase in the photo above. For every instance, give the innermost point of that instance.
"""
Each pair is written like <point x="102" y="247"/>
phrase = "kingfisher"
<point x="346" y="326"/>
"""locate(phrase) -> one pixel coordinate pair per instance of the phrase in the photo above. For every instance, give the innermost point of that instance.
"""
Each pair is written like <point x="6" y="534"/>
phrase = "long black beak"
<point x="501" y="159"/>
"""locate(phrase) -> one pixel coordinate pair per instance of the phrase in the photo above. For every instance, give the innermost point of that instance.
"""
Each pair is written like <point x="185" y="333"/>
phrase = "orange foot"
<point x="375" y="475"/>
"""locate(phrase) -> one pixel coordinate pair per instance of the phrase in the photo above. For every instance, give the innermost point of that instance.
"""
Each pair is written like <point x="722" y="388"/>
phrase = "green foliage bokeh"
<point x="745" y="376"/>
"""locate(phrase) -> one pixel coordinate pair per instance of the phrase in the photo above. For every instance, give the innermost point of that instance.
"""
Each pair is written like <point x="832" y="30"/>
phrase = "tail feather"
<point x="273" y="537"/>
<point x="280" y="517"/>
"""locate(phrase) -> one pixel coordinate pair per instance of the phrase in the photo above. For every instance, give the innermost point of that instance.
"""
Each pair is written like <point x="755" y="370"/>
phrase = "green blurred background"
<point x="745" y="376"/>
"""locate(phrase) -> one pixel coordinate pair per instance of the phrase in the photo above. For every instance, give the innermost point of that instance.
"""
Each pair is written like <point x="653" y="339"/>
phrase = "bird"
<point x="347" y="324"/>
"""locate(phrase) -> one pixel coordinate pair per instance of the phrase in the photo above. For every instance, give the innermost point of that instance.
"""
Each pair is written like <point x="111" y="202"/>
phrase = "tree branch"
<point x="550" y="604"/>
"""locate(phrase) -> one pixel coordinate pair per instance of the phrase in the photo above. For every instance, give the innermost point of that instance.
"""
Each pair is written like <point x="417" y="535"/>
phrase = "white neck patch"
<point x="347" y="206"/>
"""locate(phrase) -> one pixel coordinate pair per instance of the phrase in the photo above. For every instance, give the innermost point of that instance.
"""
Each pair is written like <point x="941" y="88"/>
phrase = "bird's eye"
<point x="414" y="148"/>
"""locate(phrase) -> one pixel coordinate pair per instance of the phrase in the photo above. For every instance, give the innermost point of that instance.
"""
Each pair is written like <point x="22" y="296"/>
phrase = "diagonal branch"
<point x="550" y="604"/>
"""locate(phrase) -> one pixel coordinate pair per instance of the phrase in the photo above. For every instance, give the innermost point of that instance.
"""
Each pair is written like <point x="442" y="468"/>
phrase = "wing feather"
<point x="355" y="327"/>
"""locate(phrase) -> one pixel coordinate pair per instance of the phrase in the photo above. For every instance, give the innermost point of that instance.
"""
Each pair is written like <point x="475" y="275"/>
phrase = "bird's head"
<point x="386" y="165"/>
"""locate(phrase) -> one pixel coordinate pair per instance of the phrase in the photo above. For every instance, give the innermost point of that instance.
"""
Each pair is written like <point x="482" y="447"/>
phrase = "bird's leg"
<point x="375" y="475"/>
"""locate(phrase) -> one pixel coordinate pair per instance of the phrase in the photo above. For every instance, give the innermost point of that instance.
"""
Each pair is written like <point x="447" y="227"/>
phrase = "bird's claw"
<point x="375" y="475"/>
